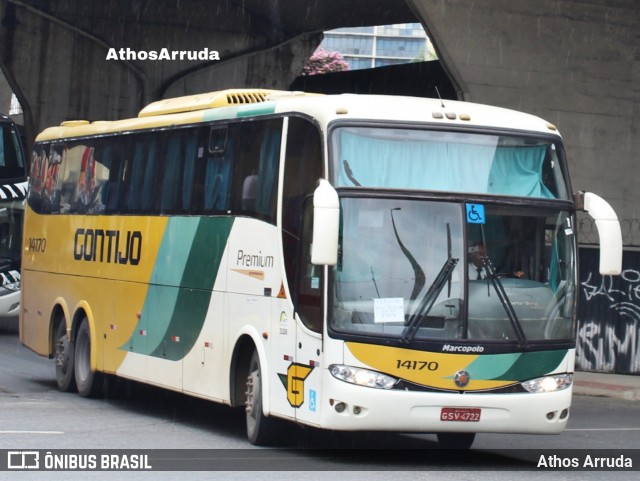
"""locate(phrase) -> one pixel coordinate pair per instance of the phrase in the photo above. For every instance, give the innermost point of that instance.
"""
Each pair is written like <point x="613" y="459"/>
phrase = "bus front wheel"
<point x="259" y="426"/>
<point x="64" y="358"/>
<point x="89" y="382"/>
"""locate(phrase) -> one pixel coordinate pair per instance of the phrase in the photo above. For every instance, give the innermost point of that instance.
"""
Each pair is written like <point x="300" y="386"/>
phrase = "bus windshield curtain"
<point x="443" y="166"/>
<point x="518" y="171"/>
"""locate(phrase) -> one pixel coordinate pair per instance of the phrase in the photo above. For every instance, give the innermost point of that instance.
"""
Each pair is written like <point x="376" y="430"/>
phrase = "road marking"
<point x="31" y="432"/>
<point x="604" y="429"/>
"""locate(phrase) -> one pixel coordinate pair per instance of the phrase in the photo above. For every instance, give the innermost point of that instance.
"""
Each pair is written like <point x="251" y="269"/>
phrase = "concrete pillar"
<point x="73" y="59"/>
<point x="572" y="62"/>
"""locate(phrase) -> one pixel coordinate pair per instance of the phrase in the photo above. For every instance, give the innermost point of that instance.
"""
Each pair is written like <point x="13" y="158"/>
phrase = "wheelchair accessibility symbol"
<point x="475" y="214"/>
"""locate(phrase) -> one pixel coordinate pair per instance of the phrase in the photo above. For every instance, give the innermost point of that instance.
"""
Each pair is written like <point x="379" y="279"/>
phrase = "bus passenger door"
<point x="281" y="348"/>
<point x="302" y="319"/>
<point x="305" y="391"/>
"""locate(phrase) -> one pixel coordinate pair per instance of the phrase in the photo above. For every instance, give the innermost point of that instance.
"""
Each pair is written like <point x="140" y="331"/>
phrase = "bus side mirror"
<point x="608" y="230"/>
<point x="326" y="225"/>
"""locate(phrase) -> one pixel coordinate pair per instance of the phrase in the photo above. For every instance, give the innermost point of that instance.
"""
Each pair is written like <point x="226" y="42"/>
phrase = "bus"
<point x="308" y="257"/>
<point x="13" y="190"/>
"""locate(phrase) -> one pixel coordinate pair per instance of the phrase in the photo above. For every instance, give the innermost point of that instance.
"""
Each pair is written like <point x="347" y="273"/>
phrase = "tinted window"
<point x="226" y="168"/>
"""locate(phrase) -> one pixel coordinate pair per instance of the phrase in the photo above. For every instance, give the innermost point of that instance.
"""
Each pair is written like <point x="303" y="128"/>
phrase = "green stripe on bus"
<point x="199" y="276"/>
<point x="534" y="364"/>
<point x="220" y="114"/>
<point x="248" y="110"/>
<point x="515" y="366"/>
<point x="178" y="299"/>
<point x="161" y="296"/>
<point x="491" y="366"/>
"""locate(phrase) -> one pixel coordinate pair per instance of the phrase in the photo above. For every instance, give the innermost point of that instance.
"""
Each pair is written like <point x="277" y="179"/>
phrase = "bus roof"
<point x="238" y="103"/>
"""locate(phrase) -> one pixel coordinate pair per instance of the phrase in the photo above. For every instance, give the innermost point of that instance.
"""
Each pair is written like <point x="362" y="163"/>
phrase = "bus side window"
<point x="148" y="182"/>
<point x="170" y="172"/>
<point x="51" y="188"/>
<point x="138" y="158"/>
<point x="35" y="178"/>
<point x="178" y="164"/>
<point x="219" y="181"/>
<point x="127" y="168"/>
<point x="188" y="169"/>
<point x="111" y="193"/>
<point x="256" y="172"/>
<point x="68" y="176"/>
<point x="212" y="186"/>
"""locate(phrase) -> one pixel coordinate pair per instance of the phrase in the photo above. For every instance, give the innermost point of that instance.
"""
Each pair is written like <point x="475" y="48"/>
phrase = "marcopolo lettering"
<point x="110" y="246"/>
<point x="465" y="349"/>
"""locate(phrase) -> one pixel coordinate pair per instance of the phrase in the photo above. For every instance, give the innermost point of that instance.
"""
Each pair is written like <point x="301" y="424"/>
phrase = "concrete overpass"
<point x="573" y="62"/>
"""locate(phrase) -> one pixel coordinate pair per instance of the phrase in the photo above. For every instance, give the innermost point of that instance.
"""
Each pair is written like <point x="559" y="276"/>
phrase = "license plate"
<point x="465" y="415"/>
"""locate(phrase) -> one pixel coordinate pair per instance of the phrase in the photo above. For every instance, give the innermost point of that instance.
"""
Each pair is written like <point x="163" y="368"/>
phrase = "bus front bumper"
<point x="354" y="408"/>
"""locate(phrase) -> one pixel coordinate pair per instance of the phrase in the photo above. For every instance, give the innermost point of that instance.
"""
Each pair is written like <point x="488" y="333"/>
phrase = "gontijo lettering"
<point x="110" y="246"/>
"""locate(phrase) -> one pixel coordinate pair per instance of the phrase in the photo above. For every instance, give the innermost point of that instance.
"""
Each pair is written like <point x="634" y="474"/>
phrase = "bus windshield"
<point x="404" y="158"/>
<point x="13" y="188"/>
<point x="415" y="270"/>
<point x="12" y="165"/>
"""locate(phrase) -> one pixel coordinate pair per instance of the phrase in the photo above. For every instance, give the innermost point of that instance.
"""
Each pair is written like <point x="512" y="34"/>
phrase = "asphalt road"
<point x="34" y="415"/>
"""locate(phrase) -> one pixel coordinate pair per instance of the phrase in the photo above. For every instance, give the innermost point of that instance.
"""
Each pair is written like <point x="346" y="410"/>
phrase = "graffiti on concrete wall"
<point x="608" y="337"/>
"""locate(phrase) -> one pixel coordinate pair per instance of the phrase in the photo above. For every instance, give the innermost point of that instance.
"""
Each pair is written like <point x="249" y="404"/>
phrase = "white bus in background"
<point x="13" y="190"/>
<point x="347" y="262"/>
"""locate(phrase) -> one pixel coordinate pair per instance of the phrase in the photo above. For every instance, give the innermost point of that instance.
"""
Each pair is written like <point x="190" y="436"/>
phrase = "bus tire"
<point x="63" y="354"/>
<point x="456" y="440"/>
<point x="89" y="382"/>
<point x="259" y="427"/>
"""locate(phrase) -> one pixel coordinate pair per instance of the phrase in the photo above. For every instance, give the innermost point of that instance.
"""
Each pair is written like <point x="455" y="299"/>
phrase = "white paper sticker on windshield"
<point x="390" y="309"/>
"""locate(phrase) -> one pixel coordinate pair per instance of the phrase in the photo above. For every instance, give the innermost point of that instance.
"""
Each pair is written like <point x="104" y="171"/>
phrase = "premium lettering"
<point x="254" y="260"/>
<point x="108" y="246"/>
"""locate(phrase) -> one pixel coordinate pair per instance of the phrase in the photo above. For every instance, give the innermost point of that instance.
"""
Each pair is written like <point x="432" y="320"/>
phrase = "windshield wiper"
<point x="420" y="278"/>
<point x="429" y="298"/>
<point x="504" y="299"/>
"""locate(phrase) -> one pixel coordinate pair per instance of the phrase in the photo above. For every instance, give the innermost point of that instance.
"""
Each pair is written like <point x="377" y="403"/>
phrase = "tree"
<point x="325" y="62"/>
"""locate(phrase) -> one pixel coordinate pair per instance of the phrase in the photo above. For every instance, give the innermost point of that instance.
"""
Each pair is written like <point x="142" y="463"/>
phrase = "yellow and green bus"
<point x="348" y="262"/>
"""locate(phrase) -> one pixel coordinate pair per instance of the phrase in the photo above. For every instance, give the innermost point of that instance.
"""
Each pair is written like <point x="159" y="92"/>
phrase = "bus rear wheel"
<point x="259" y="427"/>
<point x="63" y="354"/>
<point x="89" y="382"/>
<point x="456" y="440"/>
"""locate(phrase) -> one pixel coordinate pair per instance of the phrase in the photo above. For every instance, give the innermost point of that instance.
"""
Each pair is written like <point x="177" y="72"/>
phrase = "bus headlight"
<point x="557" y="382"/>
<point x="362" y="377"/>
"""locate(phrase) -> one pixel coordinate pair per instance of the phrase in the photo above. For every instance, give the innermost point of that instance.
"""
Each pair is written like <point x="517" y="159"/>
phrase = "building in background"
<point x="9" y="104"/>
<point x="379" y="46"/>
